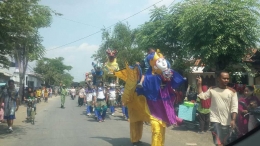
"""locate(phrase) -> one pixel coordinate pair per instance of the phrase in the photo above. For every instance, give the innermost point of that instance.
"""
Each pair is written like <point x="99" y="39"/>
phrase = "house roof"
<point x="198" y="63"/>
<point x="6" y="72"/>
<point x="254" y="56"/>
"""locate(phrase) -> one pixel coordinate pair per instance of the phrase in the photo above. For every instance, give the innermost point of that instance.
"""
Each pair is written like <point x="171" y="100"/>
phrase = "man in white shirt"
<point x="224" y="107"/>
<point x="82" y="95"/>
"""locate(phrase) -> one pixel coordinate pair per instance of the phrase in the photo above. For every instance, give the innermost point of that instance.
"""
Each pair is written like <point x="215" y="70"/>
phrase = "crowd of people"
<point x="227" y="110"/>
<point x="99" y="99"/>
<point x="9" y="101"/>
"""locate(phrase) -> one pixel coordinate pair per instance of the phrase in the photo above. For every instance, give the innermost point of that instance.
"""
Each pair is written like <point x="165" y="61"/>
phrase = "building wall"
<point x="27" y="80"/>
<point x="257" y="80"/>
<point x="251" y="81"/>
<point x="32" y="81"/>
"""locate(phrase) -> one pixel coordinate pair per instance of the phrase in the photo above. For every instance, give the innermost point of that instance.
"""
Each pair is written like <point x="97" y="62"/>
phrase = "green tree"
<point x="82" y="83"/>
<point x="219" y="32"/>
<point x="19" y="24"/>
<point x="161" y="32"/>
<point x="54" y="71"/>
<point x="123" y="39"/>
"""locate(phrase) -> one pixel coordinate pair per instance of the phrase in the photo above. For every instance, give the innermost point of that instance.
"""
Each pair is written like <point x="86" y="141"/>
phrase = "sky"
<point x="81" y="18"/>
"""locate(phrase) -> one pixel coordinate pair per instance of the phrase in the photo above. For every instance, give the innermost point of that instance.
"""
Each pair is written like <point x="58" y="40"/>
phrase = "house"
<point x="208" y="78"/>
<point x="30" y="80"/>
<point x="5" y="75"/>
<point x="254" y="60"/>
<point x="33" y="80"/>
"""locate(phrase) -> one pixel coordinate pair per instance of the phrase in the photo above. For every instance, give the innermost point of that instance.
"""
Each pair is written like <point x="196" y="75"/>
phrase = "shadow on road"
<point x="119" y="118"/>
<point x="119" y="141"/>
<point x="18" y="131"/>
<point x="184" y="128"/>
<point x="108" y="116"/>
<point x="180" y="128"/>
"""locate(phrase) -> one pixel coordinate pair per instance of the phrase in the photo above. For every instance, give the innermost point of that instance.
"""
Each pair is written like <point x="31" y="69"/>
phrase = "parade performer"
<point x="88" y="78"/>
<point x="91" y="93"/>
<point x="111" y="65"/>
<point x="97" y="73"/>
<point x="100" y="103"/>
<point x="63" y="95"/>
<point x="112" y="97"/>
<point x="153" y="103"/>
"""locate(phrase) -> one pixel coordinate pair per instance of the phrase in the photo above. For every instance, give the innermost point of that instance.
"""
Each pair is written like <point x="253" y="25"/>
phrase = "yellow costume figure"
<point x="137" y="108"/>
<point x="111" y="65"/>
<point x="154" y="107"/>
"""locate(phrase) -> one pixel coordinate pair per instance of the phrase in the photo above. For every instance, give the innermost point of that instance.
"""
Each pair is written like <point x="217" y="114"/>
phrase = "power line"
<point x="105" y="28"/>
<point x="75" y="21"/>
<point x="30" y="68"/>
<point x="171" y="3"/>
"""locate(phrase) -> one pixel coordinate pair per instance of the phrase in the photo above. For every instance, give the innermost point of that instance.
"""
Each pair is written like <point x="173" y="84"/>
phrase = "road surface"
<point x="71" y="127"/>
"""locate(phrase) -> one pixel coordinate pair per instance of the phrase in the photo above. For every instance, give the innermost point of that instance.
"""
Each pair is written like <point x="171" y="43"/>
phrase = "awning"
<point x="7" y="74"/>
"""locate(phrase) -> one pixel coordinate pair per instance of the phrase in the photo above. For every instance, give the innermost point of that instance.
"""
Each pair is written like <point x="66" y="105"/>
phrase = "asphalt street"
<point x="72" y="127"/>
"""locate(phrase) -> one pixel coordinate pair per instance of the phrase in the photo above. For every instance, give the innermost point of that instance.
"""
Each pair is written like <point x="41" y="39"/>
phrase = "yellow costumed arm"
<point x="121" y="74"/>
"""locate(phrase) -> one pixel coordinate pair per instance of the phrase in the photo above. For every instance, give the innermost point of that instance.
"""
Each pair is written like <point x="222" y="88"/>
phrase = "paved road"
<point x="71" y="127"/>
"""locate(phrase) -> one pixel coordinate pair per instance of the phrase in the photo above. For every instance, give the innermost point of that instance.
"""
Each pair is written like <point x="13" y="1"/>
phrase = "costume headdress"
<point x="152" y="58"/>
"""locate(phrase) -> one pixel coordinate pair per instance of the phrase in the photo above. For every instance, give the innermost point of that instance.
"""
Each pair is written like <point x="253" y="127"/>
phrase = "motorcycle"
<point x="31" y="110"/>
<point x="39" y="99"/>
<point x="252" y="111"/>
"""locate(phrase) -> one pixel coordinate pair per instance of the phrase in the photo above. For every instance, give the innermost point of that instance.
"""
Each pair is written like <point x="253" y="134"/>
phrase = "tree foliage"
<point x="161" y="33"/>
<point x="19" y="24"/>
<point x="122" y="38"/>
<point x="220" y="32"/>
<point x="54" y="71"/>
<point x="19" y="36"/>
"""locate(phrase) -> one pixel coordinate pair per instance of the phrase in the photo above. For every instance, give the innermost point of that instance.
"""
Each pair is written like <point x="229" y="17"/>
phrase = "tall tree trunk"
<point x="22" y="61"/>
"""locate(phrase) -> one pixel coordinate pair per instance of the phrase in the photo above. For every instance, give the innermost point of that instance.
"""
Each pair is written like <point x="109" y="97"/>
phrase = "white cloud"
<point x="79" y="57"/>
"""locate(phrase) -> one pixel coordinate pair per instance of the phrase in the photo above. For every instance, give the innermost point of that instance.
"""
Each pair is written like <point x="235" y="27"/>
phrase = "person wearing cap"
<point x="63" y="94"/>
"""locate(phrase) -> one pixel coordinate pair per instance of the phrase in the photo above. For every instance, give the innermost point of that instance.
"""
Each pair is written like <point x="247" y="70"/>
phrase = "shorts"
<point x="220" y="133"/>
<point x="10" y="117"/>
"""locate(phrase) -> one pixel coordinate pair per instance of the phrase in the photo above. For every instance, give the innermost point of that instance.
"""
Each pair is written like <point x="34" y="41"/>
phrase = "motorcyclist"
<point x="30" y="103"/>
<point x="73" y="93"/>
